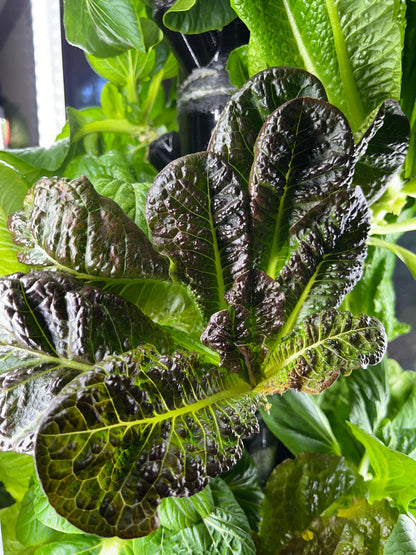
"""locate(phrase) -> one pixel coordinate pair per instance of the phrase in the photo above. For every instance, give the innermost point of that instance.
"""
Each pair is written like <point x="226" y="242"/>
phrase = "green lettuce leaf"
<point x="301" y="489"/>
<point x="53" y="328"/>
<point x="361" y="528"/>
<point x="403" y="536"/>
<point x="353" y="48"/>
<point x="139" y="427"/>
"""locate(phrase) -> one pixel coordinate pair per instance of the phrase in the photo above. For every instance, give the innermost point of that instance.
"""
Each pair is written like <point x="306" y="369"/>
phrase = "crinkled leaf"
<point x="30" y="531"/>
<point x="301" y="489"/>
<point x="140" y="427"/>
<point x="68" y="224"/>
<point x="197" y="211"/>
<point x="403" y="536"/>
<point x="382" y="150"/>
<point x="328" y="255"/>
<point x="296" y="419"/>
<point x="238" y="333"/>
<point x="198" y="16"/>
<point x="224" y="529"/>
<point x="354" y="48"/>
<point x="245" y="113"/>
<point x="325" y="346"/>
<point x="394" y="472"/>
<point x="52" y="328"/>
<point x="303" y="153"/>
<point x="363" y="528"/>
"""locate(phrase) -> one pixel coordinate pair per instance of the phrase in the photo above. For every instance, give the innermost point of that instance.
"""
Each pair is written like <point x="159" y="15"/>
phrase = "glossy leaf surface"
<point x="303" y="153"/>
<point x="140" y="427"/>
<point x="326" y="345"/>
<point x="198" y="16"/>
<point x="197" y="211"/>
<point x="245" y="113"/>
<point x="300" y="490"/>
<point x="52" y="329"/>
<point x="382" y="150"/>
<point x="67" y="223"/>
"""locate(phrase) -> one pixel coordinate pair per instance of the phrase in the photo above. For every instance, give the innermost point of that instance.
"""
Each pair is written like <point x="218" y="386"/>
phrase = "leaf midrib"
<point x="239" y="388"/>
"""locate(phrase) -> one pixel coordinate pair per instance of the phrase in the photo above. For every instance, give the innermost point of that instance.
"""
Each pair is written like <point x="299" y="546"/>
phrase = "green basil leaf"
<point x="223" y="530"/>
<point x="237" y="66"/>
<point x="68" y="224"/>
<point x="405" y="255"/>
<point x="30" y="531"/>
<point x="301" y="489"/>
<point x="178" y="513"/>
<point x="70" y="544"/>
<point x="12" y="192"/>
<point x="125" y="69"/>
<point x="16" y="471"/>
<point x="362" y="528"/>
<point x="353" y="48"/>
<point x="304" y="152"/>
<point x="53" y="328"/>
<point x="394" y="472"/>
<point x="29" y="161"/>
<point x="139" y="427"/>
<point x="403" y="536"/>
<point x="382" y="150"/>
<point x="198" y="16"/>
<point x="243" y="482"/>
<point x="8" y="520"/>
<point x="325" y="346"/>
<point x="104" y="30"/>
<point x="297" y="420"/>
<point x="198" y="213"/>
<point x="240" y="122"/>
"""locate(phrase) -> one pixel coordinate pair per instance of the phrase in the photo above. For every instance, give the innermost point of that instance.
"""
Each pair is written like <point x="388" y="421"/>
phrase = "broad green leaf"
<point x="361" y="528"/>
<point x="374" y="293"/>
<point x="105" y="29"/>
<point x="52" y="328"/>
<point x="240" y="122"/>
<point x="198" y="16"/>
<point x="300" y="490"/>
<point x="325" y="346"/>
<point x="382" y="150"/>
<point x="408" y="95"/>
<point x="223" y="530"/>
<point x="406" y="256"/>
<point x="403" y="536"/>
<point x="139" y="427"/>
<point x="68" y="224"/>
<point x="354" y="48"/>
<point x="73" y="545"/>
<point x="125" y="69"/>
<point x="12" y="192"/>
<point x="30" y="531"/>
<point x="243" y="482"/>
<point x="30" y="160"/>
<point x="302" y="155"/>
<point x="8" y="542"/>
<point x="16" y="471"/>
<point x="198" y="213"/>
<point x="394" y="472"/>
<point x="296" y="419"/>
<point x="178" y="513"/>
<point x="237" y="66"/>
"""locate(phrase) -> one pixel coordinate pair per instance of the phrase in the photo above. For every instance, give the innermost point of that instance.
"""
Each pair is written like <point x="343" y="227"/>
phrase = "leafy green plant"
<point x="145" y="319"/>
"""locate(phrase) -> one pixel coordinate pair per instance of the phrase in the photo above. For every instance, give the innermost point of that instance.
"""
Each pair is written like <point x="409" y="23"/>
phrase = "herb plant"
<point x="145" y="319"/>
